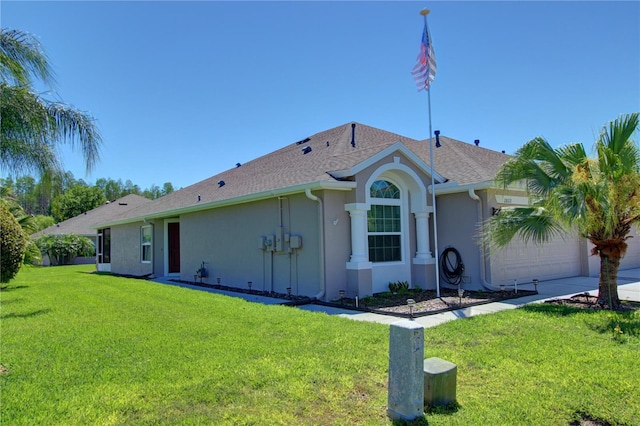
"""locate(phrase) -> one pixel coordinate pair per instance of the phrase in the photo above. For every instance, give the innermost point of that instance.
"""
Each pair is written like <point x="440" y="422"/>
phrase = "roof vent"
<point x="353" y="135"/>
<point x="306" y="150"/>
<point x="437" y="133"/>
<point x="305" y="140"/>
<point x="221" y="183"/>
<point x="238" y="164"/>
<point x="327" y="143"/>
<point x="477" y="142"/>
<point x="199" y="198"/>
<point x="503" y="151"/>
<point x="121" y="204"/>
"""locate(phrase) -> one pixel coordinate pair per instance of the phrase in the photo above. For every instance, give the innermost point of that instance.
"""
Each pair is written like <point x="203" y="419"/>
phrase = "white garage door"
<point x="632" y="257"/>
<point x="558" y="258"/>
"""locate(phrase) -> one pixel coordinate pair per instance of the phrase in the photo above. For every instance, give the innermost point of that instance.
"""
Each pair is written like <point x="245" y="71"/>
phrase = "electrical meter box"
<point x="279" y="239"/>
<point x="295" y="241"/>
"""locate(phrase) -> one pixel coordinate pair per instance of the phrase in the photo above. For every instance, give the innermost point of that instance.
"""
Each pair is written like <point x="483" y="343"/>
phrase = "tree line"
<point x="63" y="196"/>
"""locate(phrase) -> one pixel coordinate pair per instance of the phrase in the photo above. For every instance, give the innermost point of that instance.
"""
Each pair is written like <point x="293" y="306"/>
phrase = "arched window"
<point x="384" y="189"/>
<point x="384" y="223"/>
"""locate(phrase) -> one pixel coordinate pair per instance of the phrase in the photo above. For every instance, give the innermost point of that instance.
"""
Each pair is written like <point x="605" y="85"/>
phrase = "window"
<point x="384" y="223"/>
<point x="104" y="246"/>
<point x="145" y="243"/>
<point x="384" y="189"/>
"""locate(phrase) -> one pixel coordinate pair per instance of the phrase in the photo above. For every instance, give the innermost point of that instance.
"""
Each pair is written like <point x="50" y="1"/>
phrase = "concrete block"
<point x="439" y="382"/>
<point x="406" y="377"/>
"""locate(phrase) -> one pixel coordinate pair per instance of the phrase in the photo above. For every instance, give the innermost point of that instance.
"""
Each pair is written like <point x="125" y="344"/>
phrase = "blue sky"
<point x="184" y="90"/>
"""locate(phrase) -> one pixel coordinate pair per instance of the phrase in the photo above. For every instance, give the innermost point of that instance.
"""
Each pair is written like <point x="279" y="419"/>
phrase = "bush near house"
<point x="62" y="249"/>
<point x="12" y="245"/>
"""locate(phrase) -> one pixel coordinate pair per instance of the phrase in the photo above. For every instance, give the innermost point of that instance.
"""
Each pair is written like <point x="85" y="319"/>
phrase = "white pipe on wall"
<point x="312" y="197"/>
<point x="483" y="272"/>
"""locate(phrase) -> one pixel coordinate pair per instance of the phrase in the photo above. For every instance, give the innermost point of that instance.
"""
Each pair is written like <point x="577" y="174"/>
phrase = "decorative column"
<point x="359" y="255"/>
<point x="422" y="235"/>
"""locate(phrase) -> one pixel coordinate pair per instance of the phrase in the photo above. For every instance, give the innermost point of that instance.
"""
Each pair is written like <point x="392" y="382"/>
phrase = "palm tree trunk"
<point x="608" y="285"/>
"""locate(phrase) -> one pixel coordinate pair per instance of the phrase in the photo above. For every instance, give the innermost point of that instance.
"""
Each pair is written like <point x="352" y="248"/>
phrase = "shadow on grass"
<point x="448" y="409"/>
<point x="621" y="327"/>
<point x="12" y="287"/>
<point x="586" y="419"/>
<point x="420" y="421"/>
<point x="27" y="315"/>
<point x="555" y="310"/>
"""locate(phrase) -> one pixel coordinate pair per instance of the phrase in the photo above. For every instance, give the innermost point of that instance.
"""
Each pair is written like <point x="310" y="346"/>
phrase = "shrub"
<point x="32" y="255"/>
<point x="399" y="286"/>
<point x="62" y="249"/>
<point x="12" y="245"/>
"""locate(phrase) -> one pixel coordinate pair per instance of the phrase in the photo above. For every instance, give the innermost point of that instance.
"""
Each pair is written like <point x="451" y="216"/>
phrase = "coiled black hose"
<point x="451" y="266"/>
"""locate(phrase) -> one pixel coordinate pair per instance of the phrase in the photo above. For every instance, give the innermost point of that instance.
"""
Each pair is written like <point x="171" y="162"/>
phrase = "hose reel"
<point x="451" y="266"/>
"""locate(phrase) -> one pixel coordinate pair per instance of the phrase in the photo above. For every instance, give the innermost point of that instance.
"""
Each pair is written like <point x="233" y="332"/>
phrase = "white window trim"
<point x="143" y="244"/>
<point x="404" y="225"/>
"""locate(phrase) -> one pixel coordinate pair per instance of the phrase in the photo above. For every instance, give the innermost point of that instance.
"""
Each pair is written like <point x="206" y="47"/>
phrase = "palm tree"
<point x="600" y="197"/>
<point x="31" y="126"/>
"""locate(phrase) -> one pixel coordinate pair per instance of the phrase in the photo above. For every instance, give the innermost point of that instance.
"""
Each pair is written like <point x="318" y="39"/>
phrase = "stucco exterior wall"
<point x="158" y="248"/>
<point x="337" y="230"/>
<point x="457" y="217"/>
<point x="125" y="251"/>
<point x="228" y="240"/>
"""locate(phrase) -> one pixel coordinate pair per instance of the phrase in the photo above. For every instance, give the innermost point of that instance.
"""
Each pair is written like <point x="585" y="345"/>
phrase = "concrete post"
<point x="406" y="374"/>
<point x="439" y="382"/>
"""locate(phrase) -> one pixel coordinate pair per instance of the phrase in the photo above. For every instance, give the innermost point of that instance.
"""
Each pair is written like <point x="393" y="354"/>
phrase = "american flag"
<point x="424" y="72"/>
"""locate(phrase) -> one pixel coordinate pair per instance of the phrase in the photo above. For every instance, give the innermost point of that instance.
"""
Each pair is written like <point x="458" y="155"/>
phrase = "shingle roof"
<point x="86" y="223"/>
<point x="461" y="162"/>
<point x="330" y="151"/>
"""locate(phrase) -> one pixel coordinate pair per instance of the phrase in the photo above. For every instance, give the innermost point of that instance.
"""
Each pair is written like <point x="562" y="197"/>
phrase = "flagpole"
<point x="424" y="13"/>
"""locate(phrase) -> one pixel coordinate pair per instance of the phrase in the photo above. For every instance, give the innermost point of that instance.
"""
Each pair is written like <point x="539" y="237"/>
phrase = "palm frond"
<point x="78" y="128"/>
<point x="25" y="132"/>
<point x="537" y="164"/>
<point x="22" y="59"/>
<point x="572" y="155"/>
<point x="31" y="129"/>
<point x="617" y="153"/>
<point x="530" y="224"/>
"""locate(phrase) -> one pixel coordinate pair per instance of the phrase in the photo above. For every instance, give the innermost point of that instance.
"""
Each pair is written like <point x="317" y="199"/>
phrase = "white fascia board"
<point x="315" y="186"/>
<point x="396" y="147"/>
<point x="453" y="187"/>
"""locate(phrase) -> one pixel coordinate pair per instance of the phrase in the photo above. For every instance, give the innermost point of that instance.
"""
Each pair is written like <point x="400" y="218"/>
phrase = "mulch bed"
<point x="587" y="301"/>
<point x="426" y="301"/>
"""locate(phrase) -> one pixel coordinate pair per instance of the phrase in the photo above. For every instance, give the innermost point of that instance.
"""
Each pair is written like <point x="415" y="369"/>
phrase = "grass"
<point x="82" y="348"/>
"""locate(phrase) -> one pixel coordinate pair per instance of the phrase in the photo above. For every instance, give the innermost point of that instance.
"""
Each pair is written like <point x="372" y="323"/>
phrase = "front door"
<point x="173" y="231"/>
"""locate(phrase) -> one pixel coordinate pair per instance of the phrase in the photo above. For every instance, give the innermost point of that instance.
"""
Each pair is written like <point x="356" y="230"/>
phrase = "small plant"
<point x="617" y="333"/>
<point x="399" y="287"/>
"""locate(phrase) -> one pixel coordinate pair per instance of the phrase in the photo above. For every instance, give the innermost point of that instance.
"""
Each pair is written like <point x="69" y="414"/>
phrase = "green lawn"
<point x="82" y="348"/>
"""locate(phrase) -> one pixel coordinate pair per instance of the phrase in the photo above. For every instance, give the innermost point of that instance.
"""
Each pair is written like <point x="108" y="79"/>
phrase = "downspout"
<point x="483" y="272"/>
<point x="312" y="197"/>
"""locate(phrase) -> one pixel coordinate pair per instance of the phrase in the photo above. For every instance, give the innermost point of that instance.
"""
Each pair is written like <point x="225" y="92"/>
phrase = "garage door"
<point x="559" y="258"/>
<point x="632" y="257"/>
